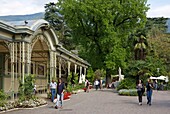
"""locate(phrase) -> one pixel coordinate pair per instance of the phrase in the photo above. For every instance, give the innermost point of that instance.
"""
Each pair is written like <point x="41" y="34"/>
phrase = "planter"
<point x="67" y="95"/>
<point x="84" y="89"/>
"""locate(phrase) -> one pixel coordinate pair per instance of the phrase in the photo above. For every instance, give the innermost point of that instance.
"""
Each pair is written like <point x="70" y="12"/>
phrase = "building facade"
<point x="32" y="47"/>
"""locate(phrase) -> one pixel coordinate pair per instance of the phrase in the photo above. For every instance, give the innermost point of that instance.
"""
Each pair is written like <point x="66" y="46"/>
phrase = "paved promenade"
<point x="105" y="102"/>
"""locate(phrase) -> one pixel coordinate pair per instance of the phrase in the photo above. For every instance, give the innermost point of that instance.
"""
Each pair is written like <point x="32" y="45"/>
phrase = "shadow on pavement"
<point x="66" y="109"/>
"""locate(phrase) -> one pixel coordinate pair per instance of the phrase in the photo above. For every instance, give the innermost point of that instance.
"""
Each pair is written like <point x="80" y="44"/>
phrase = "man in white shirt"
<point x="53" y="86"/>
<point x="96" y="83"/>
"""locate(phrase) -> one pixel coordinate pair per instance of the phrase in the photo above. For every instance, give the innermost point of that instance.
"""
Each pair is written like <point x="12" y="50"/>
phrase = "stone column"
<point x="47" y="72"/>
<point x="51" y="65"/>
<point x="69" y="63"/>
<point x="6" y="64"/>
<point x="16" y="66"/>
<point x="20" y="59"/>
<point x="55" y="64"/>
<point x="80" y="77"/>
<point x="36" y="68"/>
<point x="85" y="71"/>
<point x="12" y="68"/>
<point x="75" y="69"/>
<point x="23" y="62"/>
<point x="59" y="59"/>
<point x="28" y="59"/>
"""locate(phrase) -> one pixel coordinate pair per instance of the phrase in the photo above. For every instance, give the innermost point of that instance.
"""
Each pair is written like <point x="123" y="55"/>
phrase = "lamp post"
<point x="158" y="71"/>
<point x="167" y="80"/>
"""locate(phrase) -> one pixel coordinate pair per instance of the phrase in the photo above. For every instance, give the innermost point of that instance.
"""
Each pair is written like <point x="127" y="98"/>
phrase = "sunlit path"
<point x="105" y="102"/>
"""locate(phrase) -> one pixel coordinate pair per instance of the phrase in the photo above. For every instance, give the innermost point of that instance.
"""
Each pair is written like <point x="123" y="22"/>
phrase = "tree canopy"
<point x="56" y="20"/>
<point x="102" y="27"/>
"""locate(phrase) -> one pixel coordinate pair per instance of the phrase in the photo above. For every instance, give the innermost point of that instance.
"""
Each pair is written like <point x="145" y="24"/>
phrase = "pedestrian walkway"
<point x="105" y="102"/>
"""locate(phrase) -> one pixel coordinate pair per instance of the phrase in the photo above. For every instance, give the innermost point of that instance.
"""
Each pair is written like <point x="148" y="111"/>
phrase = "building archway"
<point x="5" y="66"/>
<point x="40" y="60"/>
<point x="33" y="48"/>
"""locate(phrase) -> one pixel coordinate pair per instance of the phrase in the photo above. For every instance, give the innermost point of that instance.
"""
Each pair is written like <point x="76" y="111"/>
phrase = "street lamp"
<point x="158" y="71"/>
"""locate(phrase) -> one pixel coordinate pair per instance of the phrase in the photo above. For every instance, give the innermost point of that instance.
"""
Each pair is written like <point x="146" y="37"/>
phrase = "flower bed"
<point x="24" y="104"/>
<point x="67" y="95"/>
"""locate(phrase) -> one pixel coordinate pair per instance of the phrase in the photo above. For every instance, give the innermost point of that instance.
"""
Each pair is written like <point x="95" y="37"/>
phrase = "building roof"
<point x="29" y="27"/>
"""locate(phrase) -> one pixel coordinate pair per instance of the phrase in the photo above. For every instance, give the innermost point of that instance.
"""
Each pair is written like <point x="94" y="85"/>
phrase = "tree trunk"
<point x="141" y="54"/>
<point x="108" y="77"/>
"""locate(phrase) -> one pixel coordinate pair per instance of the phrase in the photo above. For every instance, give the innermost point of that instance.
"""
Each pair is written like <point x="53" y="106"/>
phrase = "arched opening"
<point x="4" y="64"/>
<point x="40" y="59"/>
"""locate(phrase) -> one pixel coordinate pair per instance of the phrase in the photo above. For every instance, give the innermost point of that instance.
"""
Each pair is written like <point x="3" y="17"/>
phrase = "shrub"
<point x="128" y="92"/>
<point x="26" y="89"/>
<point x="69" y="88"/>
<point x="78" y="86"/>
<point x="3" y="98"/>
<point x="127" y="83"/>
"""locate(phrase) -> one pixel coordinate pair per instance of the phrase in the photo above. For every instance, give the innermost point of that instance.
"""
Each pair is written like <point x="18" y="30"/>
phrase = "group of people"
<point x="98" y="84"/>
<point x="141" y="89"/>
<point x="59" y="89"/>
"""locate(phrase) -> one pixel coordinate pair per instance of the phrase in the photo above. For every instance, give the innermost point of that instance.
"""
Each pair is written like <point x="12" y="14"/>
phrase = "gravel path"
<point x="105" y="102"/>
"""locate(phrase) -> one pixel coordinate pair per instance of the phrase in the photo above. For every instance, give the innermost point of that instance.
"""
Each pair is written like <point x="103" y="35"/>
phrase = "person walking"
<point x="96" y="83"/>
<point x="35" y="89"/>
<point x="140" y="91"/>
<point x="87" y="84"/>
<point x="156" y="85"/>
<point x="101" y="83"/>
<point x="53" y="86"/>
<point x="149" y="86"/>
<point x="60" y="94"/>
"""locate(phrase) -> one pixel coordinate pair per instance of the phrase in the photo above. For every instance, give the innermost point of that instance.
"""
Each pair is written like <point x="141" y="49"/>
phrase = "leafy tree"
<point x="137" y="44"/>
<point x="102" y="27"/>
<point x="53" y="16"/>
<point x="56" y="20"/>
<point x="90" y="74"/>
<point x="99" y="74"/>
<point x="143" y="69"/>
<point x="158" y="41"/>
<point x="127" y="83"/>
<point x="136" y="69"/>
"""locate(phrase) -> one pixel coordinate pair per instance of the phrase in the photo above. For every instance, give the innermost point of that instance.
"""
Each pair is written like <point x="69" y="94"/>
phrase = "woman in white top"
<point x="140" y="90"/>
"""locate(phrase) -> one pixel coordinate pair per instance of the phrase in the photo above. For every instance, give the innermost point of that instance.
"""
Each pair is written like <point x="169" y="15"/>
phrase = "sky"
<point x="158" y="8"/>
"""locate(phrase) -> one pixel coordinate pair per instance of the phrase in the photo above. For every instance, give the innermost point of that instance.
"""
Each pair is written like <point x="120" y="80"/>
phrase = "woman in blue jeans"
<point x="60" y="94"/>
<point x="53" y="86"/>
<point x="149" y="86"/>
